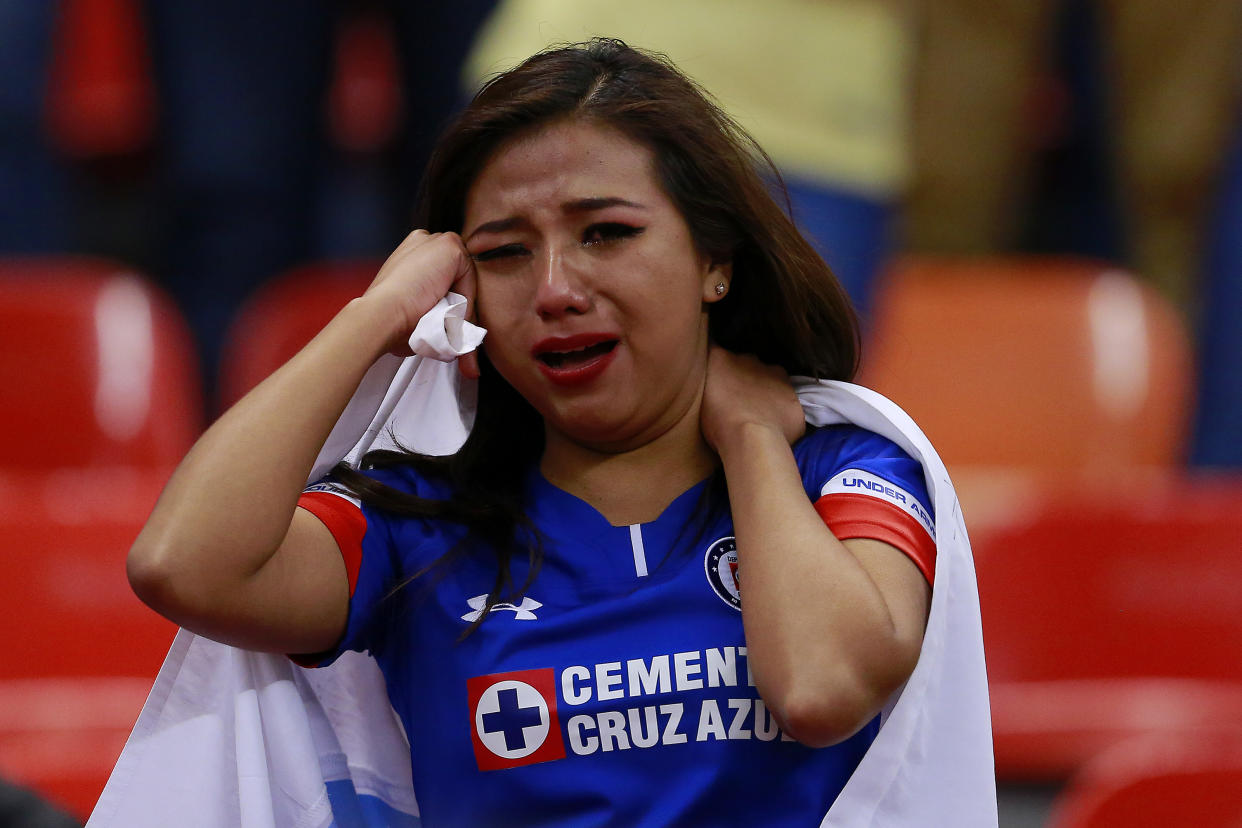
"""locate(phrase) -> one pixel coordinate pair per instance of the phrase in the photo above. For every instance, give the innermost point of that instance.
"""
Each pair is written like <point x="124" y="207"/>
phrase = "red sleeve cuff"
<point x="864" y="516"/>
<point x="346" y="523"/>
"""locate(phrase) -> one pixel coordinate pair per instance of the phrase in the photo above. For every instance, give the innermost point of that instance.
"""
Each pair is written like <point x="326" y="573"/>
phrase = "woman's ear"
<point x="717" y="280"/>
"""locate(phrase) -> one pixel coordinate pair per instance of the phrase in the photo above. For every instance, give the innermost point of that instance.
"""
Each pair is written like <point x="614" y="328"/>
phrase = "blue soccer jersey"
<point x="617" y="691"/>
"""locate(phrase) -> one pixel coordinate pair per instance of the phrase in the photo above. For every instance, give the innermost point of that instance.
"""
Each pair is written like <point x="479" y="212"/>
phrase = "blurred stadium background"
<point x="1075" y="357"/>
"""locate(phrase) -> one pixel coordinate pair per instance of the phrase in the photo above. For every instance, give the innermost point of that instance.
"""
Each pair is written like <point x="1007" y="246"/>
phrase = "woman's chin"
<point x="593" y="427"/>
<point x="597" y="436"/>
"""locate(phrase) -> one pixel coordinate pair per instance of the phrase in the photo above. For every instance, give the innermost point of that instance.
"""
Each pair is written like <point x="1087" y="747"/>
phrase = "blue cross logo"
<point x="512" y="719"/>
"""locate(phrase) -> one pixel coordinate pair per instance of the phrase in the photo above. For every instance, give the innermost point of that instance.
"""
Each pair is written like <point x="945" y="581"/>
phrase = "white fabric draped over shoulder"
<point x="230" y="738"/>
<point x="932" y="762"/>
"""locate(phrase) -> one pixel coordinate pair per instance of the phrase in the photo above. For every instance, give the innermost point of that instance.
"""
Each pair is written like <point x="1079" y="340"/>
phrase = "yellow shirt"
<point x="820" y="84"/>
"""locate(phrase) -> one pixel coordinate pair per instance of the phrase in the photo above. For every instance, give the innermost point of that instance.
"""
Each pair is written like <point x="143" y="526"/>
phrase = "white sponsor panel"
<point x="857" y="481"/>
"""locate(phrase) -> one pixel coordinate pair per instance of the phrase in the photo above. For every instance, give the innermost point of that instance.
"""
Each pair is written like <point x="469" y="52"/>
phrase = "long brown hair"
<point x="784" y="304"/>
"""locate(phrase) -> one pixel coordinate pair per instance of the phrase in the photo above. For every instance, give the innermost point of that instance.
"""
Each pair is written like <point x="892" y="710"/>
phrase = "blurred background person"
<point x="1096" y="127"/>
<point x="1148" y="89"/>
<point x="1217" y="430"/>
<point x="34" y="211"/>
<point x="823" y="87"/>
<point x="249" y="184"/>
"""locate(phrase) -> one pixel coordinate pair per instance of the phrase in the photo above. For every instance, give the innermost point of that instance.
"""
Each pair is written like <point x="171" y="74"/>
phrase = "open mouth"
<point x="576" y="357"/>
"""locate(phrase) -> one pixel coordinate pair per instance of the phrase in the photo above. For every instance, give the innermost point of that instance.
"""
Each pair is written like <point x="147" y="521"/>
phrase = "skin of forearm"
<point x="819" y="633"/>
<point x="229" y="503"/>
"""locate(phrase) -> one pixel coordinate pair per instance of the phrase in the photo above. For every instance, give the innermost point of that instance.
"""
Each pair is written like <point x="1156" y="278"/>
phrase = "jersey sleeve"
<point x="865" y="486"/>
<point x="371" y="568"/>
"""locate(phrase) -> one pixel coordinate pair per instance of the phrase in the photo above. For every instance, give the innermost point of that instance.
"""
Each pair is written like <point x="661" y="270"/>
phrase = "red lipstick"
<point x="577" y="359"/>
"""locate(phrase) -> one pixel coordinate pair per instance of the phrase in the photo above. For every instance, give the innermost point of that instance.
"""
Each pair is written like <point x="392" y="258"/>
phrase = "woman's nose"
<point x="562" y="288"/>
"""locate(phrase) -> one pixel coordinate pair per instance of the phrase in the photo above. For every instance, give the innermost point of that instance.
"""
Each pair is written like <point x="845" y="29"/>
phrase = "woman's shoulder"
<point x="845" y="441"/>
<point x="393" y="502"/>
<point x="831" y="454"/>
<point x="389" y="475"/>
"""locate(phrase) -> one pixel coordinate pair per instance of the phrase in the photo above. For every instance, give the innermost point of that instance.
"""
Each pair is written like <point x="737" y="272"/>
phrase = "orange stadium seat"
<point x="282" y="316"/>
<point x="1040" y="364"/>
<point x="97" y="367"/>
<point x="1109" y="611"/>
<point x="1157" y="783"/>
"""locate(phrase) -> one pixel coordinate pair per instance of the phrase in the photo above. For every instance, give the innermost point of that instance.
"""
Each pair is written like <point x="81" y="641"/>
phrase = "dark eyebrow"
<point x="497" y="226"/>
<point x="585" y="205"/>
<point x="580" y="205"/>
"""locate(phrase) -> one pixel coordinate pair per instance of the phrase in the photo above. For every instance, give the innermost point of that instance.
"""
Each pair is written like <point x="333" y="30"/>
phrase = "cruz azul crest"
<point x="721" y="565"/>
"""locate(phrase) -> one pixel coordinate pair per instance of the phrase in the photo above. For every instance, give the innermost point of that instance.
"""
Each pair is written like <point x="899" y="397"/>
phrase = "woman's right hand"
<point x="423" y="268"/>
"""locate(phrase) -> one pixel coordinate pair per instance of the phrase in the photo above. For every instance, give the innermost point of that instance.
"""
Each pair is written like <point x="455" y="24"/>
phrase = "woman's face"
<point x="590" y="287"/>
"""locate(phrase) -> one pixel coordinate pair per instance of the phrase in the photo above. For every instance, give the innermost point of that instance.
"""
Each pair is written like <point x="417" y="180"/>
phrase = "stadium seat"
<point x="1193" y="780"/>
<point x="364" y="96"/>
<point x="1040" y="364"/>
<point x="282" y="316"/>
<point x="100" y="99"/>
<point x="1111" y="611"/>
<point x="83" y="651"/>
<point x="97" y="367"/>
<point x="102" y="397"/>
<point x="64" y="535"/>
<point x="61" y="737"/>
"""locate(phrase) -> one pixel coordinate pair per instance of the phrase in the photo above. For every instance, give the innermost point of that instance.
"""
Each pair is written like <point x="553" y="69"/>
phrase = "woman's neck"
<point x="636" y="485"/>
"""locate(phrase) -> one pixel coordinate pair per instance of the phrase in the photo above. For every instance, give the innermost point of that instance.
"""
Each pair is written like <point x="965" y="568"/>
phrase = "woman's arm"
<point x="225" y="552"/>
<point x="832" y="627"/>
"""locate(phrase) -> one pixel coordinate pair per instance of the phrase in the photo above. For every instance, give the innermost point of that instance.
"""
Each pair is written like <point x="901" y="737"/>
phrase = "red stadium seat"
<point x="1108" y="612"/>
<point x="1039" y="364"/>
<point x="64" y="535"/>
<point x="96" y="365"/>
<point x="283" y="316"/>
<point x="364" y="97"/>
<point x="100" y="99"/>
<point x="84" y="650"/>
<point x="1193" y="780"/>
<point x="61" y="737"/>
<point x="102" y="397"/>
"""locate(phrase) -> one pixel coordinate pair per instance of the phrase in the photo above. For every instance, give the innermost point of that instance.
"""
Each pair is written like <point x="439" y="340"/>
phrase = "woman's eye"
<point x="502" y="252"/>
<point x="609" y="231"/>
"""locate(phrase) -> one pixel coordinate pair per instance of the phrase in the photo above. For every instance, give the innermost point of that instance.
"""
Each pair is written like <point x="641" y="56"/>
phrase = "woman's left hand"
<point x="739" y="391"/>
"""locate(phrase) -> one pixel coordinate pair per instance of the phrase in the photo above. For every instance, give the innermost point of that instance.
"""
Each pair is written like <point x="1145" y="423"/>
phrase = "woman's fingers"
<point x="741" y="389"/>
<point x="468" y="365"/>
<point x="465" y="280"/>
<point x="418" y="273"/>
<point x="423" y="268"/>
<point x="466" y="285"/>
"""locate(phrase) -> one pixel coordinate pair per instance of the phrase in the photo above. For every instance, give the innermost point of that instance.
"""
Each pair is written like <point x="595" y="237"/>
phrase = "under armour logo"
<point x="523" y="612"/>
